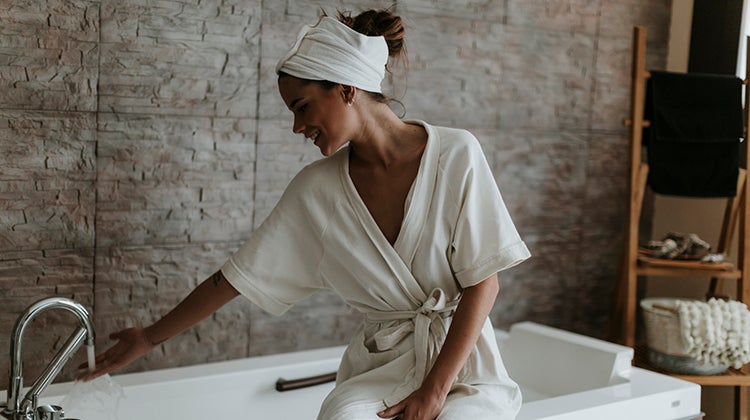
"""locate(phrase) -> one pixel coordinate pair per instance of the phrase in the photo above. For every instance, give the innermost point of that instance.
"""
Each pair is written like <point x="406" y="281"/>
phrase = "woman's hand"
<point x="132" y="343"/>
<point x="422" y="404"/>
<point x="207" y="298"/>
<point x="471" y="314"/>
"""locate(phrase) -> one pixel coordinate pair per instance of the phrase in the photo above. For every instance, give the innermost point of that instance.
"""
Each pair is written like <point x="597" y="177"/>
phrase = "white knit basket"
<point x="664" y="340"/>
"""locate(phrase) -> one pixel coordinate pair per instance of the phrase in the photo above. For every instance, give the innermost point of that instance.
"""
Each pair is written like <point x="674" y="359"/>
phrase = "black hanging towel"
<point x="693" y="142"/>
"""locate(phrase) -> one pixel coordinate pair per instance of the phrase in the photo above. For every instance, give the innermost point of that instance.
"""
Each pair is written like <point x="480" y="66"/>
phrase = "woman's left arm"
<point x="463" y="333"/>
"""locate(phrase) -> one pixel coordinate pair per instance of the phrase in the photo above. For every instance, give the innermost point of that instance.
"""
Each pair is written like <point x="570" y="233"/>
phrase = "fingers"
<point x="86" y="375"/>
<point x="113" y="358"/>
<point x="99" y="359"/>
<point x="413" y="407"/>
<point x="392" y="411"/>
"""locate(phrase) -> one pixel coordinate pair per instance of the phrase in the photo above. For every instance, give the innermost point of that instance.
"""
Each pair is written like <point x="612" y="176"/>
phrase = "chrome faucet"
<point x="25" y="408"/>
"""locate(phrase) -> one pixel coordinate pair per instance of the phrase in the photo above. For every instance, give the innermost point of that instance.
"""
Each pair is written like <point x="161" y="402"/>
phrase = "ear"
<point x="349" y="93"/>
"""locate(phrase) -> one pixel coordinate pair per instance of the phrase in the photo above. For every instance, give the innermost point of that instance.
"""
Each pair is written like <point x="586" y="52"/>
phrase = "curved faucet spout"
<point x="17" y="407"/>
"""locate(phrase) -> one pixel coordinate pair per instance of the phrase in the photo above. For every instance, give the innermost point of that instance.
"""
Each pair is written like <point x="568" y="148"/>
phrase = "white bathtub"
<point x="563" y="376"/>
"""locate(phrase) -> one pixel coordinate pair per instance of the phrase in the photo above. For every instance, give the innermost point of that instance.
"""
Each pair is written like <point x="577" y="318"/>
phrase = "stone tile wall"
<point x="142" y="140"/>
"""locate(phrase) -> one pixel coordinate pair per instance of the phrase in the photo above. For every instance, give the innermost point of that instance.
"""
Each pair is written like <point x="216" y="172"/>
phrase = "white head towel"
<point x="333" y="51"/>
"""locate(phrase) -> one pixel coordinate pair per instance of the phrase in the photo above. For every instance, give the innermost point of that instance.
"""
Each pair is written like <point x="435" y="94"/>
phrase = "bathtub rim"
<point x="325" y="360"/>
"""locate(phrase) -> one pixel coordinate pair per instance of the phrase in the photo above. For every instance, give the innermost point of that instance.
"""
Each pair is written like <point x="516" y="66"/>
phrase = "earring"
<point x="350" y="102"/>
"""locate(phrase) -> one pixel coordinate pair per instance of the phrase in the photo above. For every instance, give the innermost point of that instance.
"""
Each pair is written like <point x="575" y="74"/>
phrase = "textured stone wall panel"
<point x="553" y="163"/>
<point x="482" y="67"/>
<point x="614" y="67"/>
<point x="578" y="16"/>
<point x="491" y="10"/>
<point x="174" y="179"/>
<point x="180" y="58"/>
<point x="604" y="209"/>
<point x="47" y="180"/>
<point x="441" y="64"/>
<point x="309" y="10"/>
<point x="619" y="16"/>
<point x="612" y="84"/>
<point x="606" y="199"/>
<point x="49" y="55"/>
<point x="47" y="145"/>
<point x="548" y="89"/>
<point x="543" y="288"/>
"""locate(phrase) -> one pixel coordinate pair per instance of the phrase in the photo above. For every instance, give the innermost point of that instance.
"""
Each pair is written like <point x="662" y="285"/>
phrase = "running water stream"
<point x="97" y="399"/>
<point x="91" y="356"/>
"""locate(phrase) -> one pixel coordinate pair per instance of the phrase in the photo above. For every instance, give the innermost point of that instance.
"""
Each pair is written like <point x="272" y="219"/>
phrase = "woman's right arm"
<point x="133" y="343"/>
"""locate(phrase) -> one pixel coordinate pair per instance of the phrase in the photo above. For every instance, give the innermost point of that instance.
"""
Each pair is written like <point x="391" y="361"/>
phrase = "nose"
<point x="299" y="126"/>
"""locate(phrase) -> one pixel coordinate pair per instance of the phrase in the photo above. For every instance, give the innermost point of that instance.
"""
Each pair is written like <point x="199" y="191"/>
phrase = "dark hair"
<point x="379" y="23"/>
<point x="374" y="23"/>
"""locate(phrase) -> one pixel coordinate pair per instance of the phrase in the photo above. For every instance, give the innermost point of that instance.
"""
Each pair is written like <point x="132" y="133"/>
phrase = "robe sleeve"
<point x="279" y="264"/>
<point x="485" y="240"/>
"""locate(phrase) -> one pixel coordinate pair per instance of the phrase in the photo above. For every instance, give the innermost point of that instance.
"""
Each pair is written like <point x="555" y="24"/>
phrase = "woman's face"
<point x="320" y="114"/>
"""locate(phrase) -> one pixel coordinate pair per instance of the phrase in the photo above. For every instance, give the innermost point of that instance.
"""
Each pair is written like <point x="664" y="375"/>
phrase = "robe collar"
<point x="400" y="255"/>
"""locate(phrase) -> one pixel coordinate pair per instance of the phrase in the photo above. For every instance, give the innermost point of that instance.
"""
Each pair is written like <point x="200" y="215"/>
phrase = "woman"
<point x="402" y="219"/>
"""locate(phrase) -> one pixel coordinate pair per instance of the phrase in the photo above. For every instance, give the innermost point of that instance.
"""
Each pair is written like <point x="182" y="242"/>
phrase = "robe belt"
<point x="428" y="324"/>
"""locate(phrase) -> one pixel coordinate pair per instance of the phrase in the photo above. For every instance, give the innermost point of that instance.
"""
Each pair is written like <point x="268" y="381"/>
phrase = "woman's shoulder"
<point x="456" y="143"/>
<point x="319" y="175"/>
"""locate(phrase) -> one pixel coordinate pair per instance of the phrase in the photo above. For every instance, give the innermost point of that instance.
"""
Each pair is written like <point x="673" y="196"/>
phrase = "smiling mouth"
<point x="314" y="136"/>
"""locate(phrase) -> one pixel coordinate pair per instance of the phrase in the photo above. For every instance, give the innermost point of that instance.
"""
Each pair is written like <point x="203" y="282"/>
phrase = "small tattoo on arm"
<point x="217" y="277"/>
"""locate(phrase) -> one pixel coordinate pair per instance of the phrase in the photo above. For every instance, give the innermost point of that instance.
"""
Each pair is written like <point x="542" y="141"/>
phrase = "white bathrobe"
<point x="456" y="232"/>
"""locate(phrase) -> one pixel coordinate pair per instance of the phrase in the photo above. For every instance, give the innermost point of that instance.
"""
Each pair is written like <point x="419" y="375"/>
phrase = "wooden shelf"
<point x="732" y="377"/>
<point x="675" y="268"/>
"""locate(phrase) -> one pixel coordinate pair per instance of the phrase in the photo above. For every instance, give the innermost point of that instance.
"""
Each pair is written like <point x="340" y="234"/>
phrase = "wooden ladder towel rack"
<point x="633" y="266"/>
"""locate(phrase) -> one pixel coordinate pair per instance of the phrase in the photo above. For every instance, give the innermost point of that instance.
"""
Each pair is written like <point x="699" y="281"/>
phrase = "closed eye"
<point x="293" y="105"/>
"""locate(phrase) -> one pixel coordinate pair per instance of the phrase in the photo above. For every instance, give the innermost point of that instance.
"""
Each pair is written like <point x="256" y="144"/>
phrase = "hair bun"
<point x="378" y="23"/>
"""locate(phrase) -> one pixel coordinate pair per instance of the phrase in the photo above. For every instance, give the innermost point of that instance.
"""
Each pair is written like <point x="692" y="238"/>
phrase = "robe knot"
<point x="427" y="324"/>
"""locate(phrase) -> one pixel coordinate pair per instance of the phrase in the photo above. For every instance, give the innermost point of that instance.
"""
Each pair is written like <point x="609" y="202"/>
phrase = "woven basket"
<point x="664" y="340"/>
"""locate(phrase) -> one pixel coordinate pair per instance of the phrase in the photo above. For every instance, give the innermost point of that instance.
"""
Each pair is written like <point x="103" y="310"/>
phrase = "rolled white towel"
<point x="716" y="332"/>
